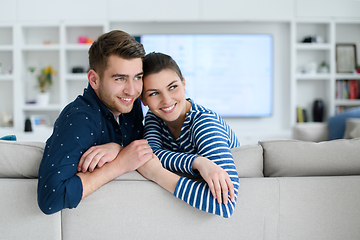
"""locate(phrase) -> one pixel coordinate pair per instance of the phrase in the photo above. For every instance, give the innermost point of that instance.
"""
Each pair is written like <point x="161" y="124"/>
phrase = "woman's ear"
<point x="183" y="81"/>
<point x="143" y="100"/>
<point x="94" y="79"/>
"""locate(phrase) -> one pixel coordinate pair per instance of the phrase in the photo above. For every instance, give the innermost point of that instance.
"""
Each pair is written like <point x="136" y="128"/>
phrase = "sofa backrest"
<point x="293" y="158"/>
<point x="272" y="158"/>
<point x="20" y="159"/>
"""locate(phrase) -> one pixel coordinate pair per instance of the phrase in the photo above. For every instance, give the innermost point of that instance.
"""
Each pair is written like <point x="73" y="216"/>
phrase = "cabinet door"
<point x="326" y="8"/>
<point x="42" y="10"/>
<point x="232" y="10"/>
<point x="155" y="10"/>
<point x="8" y="10"/>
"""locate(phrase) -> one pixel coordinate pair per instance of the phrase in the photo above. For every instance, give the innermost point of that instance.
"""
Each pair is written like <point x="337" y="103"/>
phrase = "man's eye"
<point x="120" y="79"/>
<point x="138" y="78"/>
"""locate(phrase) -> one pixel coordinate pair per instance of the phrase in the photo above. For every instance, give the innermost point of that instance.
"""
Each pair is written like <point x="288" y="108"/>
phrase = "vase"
<point x="43" y="98"/>
<point x="318" y="110"/>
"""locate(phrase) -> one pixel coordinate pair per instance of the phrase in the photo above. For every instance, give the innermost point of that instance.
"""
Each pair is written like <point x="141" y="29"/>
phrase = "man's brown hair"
<point x="117" y="43"/>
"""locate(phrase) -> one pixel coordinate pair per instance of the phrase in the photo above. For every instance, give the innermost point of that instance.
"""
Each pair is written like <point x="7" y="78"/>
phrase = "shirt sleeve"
<point x="174" y="161"/>
<point x="58" y="186"/>
<point x="212" y="142"/>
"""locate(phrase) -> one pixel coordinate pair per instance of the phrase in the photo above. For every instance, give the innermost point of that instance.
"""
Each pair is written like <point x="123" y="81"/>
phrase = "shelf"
<point x="6" y="48"/>
<point x="35" y="107"/>
<point x="313" y="76"/>
<point x="347" y="102"/>
<point x="313" y="46"/>
<point x="39" y="47"/>
<point x="351" y="76"/>
<point x="6" y="77"/>
<point x="78" y="47"/>
<point x="77" y="77"/>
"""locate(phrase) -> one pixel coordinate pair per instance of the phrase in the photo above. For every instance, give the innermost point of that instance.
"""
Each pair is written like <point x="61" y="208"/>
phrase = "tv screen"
<point x="231" y="74"/>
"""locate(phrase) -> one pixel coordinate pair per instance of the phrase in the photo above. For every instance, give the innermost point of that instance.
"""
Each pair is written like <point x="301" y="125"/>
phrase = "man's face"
<point x="121" y="84"/>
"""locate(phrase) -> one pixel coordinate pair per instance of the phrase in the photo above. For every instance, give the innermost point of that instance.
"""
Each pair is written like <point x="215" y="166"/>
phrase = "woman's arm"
<point x="171" y="160"/>
<point x="216" y="148"/>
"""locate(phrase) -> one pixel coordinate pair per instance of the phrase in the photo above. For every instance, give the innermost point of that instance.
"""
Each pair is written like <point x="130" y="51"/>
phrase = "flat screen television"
<point x="231" y="74"/>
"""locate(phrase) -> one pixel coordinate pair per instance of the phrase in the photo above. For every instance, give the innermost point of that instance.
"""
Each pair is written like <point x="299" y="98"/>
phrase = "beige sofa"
<point x="288" y="190"/>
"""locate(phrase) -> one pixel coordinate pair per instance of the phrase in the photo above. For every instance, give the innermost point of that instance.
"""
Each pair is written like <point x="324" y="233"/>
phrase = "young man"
<point x="108" y="111"/>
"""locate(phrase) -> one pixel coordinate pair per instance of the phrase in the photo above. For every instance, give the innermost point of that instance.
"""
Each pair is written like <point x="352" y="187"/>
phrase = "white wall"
<point x="195" y="16"/>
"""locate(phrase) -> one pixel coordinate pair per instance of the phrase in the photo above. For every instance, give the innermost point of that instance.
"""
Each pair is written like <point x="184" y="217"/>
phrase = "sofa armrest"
<point x="312" y="131"/>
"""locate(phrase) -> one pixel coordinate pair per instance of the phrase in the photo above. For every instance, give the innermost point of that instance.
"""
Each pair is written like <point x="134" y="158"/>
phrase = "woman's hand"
<point x="151" y="168"/>
<point x="154" y="171"/>
<point x="97" y="156"/>
<point x="217" y="179"/>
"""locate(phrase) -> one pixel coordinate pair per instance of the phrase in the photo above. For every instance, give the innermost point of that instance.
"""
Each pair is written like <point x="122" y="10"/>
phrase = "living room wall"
<point x="199" y="16"/>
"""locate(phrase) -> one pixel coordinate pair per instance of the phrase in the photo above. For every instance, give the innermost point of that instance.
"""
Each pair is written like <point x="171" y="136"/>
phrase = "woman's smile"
<point x="169" y="109"/>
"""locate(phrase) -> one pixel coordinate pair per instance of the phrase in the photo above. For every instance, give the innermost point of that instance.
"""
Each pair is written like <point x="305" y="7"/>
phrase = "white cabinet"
<point x="7" y="89"/>
<point x="36" y="46"/>
<point x="308" y="83"/>
<point x="155" y="10"/>
<point x="256" y="10"/>
<point x="327" y="8"/>
<point x="347" y="32"/>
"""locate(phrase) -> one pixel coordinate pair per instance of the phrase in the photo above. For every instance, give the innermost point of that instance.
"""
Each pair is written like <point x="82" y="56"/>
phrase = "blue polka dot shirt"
<point x="83" y="123"/>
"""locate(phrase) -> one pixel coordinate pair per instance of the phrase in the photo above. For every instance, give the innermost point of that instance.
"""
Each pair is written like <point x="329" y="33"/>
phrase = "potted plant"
<point x="44" y="81"/>
<point x="324" y="67"/>
<point x="358" y="68"/>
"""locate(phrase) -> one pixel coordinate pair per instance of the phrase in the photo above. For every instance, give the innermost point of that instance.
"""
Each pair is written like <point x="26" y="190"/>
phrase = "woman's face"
<point x="164" y="94"/>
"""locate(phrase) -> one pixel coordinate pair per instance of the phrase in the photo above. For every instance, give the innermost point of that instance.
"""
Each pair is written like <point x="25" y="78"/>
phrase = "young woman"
<point x="188" y="138"/>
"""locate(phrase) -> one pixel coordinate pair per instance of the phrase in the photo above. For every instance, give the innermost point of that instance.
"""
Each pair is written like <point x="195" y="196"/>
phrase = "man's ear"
<point x="94" y="79"/>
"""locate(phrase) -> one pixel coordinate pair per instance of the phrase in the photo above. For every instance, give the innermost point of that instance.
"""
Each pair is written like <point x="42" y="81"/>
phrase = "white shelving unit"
<point x="307" y="87"/>
<point x="7" y="89"/>
<point x="38" y="45"/>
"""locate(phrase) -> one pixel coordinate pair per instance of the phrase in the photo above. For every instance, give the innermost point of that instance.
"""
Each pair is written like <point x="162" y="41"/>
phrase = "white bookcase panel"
<point x="324" y="86"/>
<point x="6" y="96"/>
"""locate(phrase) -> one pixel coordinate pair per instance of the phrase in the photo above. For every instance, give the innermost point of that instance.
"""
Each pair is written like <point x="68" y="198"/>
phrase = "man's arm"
<point x="129" y="159"/>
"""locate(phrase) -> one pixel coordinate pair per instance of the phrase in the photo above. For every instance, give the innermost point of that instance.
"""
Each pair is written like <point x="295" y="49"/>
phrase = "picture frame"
<point x="346" y="61"/>
<point x="39" y="121"/>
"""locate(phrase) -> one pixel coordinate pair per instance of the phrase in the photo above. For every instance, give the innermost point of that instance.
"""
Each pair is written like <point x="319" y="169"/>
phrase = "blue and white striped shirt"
<point x="204" y="133"/>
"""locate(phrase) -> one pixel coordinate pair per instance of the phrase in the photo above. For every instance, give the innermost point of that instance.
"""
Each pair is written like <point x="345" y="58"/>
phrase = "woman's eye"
<point x="173" y="87"/>
<point x="153" y="94"/>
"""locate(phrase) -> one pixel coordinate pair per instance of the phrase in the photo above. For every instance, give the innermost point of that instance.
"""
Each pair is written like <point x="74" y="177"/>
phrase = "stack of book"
<point x="347" y="89"/>
<point x="301" y="115"/>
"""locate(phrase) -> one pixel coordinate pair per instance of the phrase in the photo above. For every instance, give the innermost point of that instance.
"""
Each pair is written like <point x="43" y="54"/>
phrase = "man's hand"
<point x="217" y="179"/>
<point x="134" y="156"/>
<point x="97" y="156"/>
<point x="129" y="158"/>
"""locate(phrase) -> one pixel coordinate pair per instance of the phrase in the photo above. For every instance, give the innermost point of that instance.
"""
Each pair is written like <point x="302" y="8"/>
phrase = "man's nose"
<point x="129" y="88"/>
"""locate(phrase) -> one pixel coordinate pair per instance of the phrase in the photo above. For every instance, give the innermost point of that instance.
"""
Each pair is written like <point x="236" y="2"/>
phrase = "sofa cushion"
<point x="248" y="160"/>
<point x="291" y="158"/>
<point x="20" y="159"/>
<point x="352" y="128"/>
<point x="337" y="123"/>
<point x="311" y="131"/>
